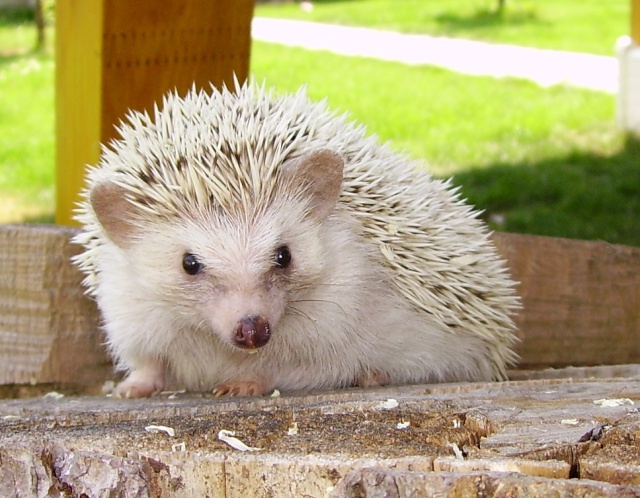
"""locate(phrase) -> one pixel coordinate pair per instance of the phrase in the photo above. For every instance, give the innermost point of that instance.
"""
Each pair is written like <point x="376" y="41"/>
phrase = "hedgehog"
<point x="241" y="240"/>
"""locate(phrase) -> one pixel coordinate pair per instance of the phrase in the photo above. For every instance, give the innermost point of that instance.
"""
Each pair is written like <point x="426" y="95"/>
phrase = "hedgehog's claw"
<point x="372" y="379"/>
<point x="240" y="388"/>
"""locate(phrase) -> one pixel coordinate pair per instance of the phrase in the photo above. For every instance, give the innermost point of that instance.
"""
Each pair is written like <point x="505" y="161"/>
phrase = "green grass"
<point x="542" y="161"/>
<point x="454" y="121"/>
<point x="582" y="195"/>
<point x="17" y="31"/>
<point x="26" y="122"/>
<point x="591" y="26"/>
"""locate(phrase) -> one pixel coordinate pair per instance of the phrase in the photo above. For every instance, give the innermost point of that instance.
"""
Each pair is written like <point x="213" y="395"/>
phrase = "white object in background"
<point x="629" y="91"/>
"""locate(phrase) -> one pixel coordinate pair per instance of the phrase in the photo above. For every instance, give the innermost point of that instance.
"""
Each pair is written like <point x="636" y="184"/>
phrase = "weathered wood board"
<point x="524" y="438"/>
<point x="519" y="438"/>
<point x="49" y="331"/>
<point x="581" y="300"/>
<point x="581" y="306"/>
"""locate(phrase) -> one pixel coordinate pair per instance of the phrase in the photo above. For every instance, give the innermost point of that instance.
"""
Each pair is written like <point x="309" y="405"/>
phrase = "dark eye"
<point x="191" y="264"/>
<point x="282" y="257"/>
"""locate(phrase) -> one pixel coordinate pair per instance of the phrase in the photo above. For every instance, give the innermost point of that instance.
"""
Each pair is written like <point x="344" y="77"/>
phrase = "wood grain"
<point x="48" y="329"/>
<point x="531" y="438"/>
<point x="581" y="300"/>
<point x="152" y="47"/>
<point x="116" y="55"/>
<point x="581" y="306"/>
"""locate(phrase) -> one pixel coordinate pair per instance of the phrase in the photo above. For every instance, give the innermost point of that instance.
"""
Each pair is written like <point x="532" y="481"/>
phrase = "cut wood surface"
<point x="570" y="438"/>
<point x="573" y="432"/>
<point x="581" y="306"/>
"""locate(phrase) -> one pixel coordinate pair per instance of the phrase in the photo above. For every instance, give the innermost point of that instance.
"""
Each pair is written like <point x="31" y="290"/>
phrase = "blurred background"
<point x="536" y="158"/>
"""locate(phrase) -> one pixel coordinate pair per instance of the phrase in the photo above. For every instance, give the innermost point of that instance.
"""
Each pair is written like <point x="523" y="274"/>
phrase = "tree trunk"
<point x="40" y="24"/>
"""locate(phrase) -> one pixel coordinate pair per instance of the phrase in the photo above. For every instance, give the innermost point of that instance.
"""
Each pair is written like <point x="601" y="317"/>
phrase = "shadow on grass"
<point x="7" y="57"/>
<point x="45" y="218"/>
<point x="15" y="16"/>
<point x="579" y="196"/>
<point x="487" y="18"/>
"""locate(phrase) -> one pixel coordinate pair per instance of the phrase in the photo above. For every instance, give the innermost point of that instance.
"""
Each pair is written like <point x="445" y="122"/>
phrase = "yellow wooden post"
<point x="635" y="21"/>
<point x="78" y="103"/>
<point x="116" y="55"/>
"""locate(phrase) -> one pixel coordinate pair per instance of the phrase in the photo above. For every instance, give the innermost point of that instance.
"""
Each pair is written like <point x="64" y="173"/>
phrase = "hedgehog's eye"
<point x="191" y="264"/>
<point x="282" y="257"/>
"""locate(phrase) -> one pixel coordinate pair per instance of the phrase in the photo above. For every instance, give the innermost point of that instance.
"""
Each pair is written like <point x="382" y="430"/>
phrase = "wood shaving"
<point x="610" y="403"/>
<point x="228" y="437"/>
<point x="173" y="394"/>
<point x="456" y="451"/>
<point x="154" y="429"/>
<point x="390" y="404"/>
<point x="569" y="421"/>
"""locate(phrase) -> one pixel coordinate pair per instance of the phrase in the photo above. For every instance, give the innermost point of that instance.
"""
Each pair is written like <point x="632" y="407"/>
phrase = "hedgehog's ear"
<point x="114" y="212"/>
<point x="322" y="172"/>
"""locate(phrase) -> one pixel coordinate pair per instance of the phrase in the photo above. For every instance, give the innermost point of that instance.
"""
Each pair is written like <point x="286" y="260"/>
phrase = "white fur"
<point x="399" y="280"/>
<point x="345" y="320"/>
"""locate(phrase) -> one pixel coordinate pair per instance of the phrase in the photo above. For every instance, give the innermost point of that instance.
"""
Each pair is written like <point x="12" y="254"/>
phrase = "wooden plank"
<point x="533" y="438"/>
<point x="117" y="55"/>
<point x="581" y="306"/>
<point x="48" y="329"/>
<point x="581" y="300"/>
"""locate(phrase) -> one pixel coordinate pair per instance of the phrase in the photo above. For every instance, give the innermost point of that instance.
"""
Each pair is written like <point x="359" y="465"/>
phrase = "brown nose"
<point x="252" y="332"/>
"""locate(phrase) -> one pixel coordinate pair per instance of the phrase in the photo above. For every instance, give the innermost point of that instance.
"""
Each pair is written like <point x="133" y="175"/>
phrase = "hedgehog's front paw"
<point x="241" y="388"/>
<point x="372" y="379"/>
<point x="141" y="383"/>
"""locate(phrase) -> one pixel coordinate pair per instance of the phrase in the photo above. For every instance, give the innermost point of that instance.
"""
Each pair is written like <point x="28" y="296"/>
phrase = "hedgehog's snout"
<point x="252" y="332"/>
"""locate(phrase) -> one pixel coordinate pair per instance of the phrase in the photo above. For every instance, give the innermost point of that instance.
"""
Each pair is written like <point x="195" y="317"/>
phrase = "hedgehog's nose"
<point x="252" y="332"/>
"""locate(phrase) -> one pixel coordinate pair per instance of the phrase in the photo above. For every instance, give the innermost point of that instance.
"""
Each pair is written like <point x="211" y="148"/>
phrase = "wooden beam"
<point x="49" y="330"/>
<point x="581" y="300"/>
<point x="78" y="103"/>
<point x="581" y="306"/>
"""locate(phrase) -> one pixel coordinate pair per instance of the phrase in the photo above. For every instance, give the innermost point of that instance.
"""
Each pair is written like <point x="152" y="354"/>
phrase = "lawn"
<point x="543" y="161"/>
<point x="537" y="160"/>
<point x="454" y="121"/>
<point x="26" y="122"/>
<point x="591" y="26"/>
